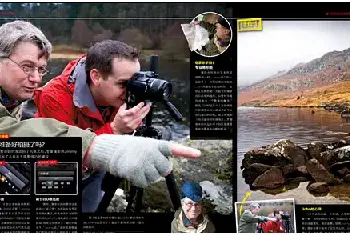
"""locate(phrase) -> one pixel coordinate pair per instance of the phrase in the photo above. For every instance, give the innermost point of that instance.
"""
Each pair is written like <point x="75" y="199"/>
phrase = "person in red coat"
<point x="91" y="93"/>
<point x="273" y="226"/>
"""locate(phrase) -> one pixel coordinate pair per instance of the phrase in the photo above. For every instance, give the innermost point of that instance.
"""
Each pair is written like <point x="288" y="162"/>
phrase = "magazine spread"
<point x="173" y="118"/>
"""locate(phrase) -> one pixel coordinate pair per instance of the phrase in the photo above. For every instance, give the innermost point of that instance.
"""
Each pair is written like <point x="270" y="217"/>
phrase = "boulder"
<point x="281" y="153"/>
<point x="253" y="171"/>
<point x="288" y="169"/>
<point x="298" y="180"/>
<point x="271" y="179"/>
<point x="347" y="178"/>
<point x="318" y="188"/>
<point x="298" y="155"/>
<point x="319" y="173"/>
<point x="315" y="149"/>
<point x="340" y="169"/>
<point x="303" y="170"/>
<point x="331" y="157"/>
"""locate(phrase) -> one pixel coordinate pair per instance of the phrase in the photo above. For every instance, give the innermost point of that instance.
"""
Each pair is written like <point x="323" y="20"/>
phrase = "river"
<point x="263" y="126"/>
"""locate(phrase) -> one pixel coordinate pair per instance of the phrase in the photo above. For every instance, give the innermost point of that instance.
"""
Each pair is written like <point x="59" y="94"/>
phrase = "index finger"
<point x="184" y="151"/>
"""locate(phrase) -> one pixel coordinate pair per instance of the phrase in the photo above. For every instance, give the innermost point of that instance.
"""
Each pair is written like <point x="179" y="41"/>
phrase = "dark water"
<point x="262" y="126"/>
<point x="177" y="73"/>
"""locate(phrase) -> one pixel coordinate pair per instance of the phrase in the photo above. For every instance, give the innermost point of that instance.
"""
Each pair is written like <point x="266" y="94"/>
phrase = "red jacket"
<point x="272" y="227"/>
<point x="67" y="98"/>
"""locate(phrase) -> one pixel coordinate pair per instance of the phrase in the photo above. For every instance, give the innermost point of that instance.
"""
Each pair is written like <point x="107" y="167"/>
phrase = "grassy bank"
<point x="334" y="94"/>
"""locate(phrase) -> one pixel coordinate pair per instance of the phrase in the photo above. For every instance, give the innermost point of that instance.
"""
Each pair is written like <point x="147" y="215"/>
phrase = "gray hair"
<point x="254" y="205"/>
<point x="21" y="31"/>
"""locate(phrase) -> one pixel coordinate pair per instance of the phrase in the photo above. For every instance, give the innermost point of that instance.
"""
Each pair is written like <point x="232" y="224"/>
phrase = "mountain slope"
<point x="305" y="84"/>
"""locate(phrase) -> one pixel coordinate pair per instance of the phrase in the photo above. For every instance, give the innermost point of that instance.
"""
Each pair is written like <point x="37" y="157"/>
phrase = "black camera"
<point x="145" y="86"/>
<point x="285" y="217"/>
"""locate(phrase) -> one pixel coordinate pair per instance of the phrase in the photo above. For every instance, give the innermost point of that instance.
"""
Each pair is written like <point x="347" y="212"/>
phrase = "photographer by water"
<point x="249" y="219"/>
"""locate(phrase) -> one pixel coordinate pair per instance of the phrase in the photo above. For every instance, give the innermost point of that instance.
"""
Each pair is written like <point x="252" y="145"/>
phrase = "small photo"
<point x="209" y="34"/>
<point x="268" y="216"/>
<point x="15" y="178"/>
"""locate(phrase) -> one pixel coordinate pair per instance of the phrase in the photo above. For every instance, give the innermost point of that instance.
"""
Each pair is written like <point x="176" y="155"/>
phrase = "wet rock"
<point x="281" y="153"/>
<point x="319" y="173"/>
<point x="253" y="171"/>
<point x="264" y="156"/>
<point x="271" y="179"/>
<point x="337" y="144"/>
<point x="288" y="169"/>
<point x="340" y="169"/>
<point x="333" y="156"/>
<point x="298" y="180"/>
<point x="347" y="140"/>
<point x="347" y="178"/>
<point x="318" y="188"/>
<point x="303" y="170"/>
<point x="315" y="149"/>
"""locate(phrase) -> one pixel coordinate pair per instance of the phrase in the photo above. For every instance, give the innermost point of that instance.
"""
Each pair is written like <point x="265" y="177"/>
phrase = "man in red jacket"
<point x="273" y="226"/>
<point x="90" y="93"/>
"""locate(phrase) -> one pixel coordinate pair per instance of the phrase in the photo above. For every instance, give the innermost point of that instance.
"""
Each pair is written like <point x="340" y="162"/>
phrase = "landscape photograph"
<point x="294" y="111"/>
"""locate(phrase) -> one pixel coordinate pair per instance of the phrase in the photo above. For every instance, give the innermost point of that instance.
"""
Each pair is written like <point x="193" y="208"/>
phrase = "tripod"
<point x="287" y="225"/>
<point x="135" y="196"/>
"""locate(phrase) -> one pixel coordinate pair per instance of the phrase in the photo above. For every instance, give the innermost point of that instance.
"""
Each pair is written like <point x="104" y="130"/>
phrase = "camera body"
<point x="146" y="86"/>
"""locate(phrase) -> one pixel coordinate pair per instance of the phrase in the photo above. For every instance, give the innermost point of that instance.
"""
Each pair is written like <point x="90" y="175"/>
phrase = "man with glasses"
<point x="24" y="51"/>
<point x="191" y="217"/>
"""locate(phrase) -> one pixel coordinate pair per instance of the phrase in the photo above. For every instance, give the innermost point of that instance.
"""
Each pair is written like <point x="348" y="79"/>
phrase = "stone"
<point x="253" y="171"/>
<point x="340" y="169"/>
<point x="303" y="170"/>
<point x="319" y="173"/>
<point x="318" y="188"/>
<point x="271" y="179"/>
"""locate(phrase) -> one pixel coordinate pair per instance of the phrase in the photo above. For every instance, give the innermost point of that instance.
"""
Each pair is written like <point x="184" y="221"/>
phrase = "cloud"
<point x="283" y="44"/>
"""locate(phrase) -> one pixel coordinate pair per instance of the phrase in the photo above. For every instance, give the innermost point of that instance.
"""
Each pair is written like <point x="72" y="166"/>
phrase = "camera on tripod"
<point x="146" y="86"/>
<point x="285" y="217"/>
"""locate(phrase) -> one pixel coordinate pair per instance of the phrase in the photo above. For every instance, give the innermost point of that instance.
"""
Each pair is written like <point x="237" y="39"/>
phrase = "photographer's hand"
<point x="139" y="159"/>
<point x="127" y="120"/>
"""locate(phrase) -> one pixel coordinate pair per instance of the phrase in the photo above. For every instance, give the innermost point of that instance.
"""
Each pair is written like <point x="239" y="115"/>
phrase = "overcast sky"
<point x="283" y="44"/>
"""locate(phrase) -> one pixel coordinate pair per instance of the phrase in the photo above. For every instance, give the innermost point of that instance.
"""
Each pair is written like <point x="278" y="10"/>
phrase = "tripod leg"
<point x="172" y="188"/>
<point x="134" y="200"/>
<point x="113" y="184"/>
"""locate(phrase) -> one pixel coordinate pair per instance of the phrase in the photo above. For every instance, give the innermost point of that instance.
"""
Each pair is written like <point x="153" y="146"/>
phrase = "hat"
<point x="192" y="191"/>
<point x="254" y="205"/>
<point x="224" y="23"/>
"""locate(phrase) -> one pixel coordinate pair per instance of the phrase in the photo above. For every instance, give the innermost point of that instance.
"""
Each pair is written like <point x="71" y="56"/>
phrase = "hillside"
<point x="325" y="79"/>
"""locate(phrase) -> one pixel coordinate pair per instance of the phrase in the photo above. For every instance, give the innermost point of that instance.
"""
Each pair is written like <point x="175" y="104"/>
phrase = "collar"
<point x="82" y="95"/>
<point x="7" y="101"/>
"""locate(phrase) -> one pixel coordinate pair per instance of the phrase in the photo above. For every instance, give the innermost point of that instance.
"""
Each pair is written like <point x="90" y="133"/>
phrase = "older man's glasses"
<point x="190" y="204"/>
<point x="29" y="70"/>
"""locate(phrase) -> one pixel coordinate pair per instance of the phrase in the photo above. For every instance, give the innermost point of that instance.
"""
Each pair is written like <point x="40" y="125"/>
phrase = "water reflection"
<point x="178" y="73"/>
<point x="263" y="126"/>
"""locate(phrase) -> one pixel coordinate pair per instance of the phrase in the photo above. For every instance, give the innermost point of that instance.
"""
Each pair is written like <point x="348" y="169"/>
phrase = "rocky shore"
<point x="284" y="165"/>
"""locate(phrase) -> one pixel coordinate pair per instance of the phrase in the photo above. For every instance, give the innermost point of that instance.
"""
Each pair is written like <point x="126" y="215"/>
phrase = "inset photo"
<point x="209" y="34"/>
<point x="15" y="178"/>
<point x="268" y="216"/>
